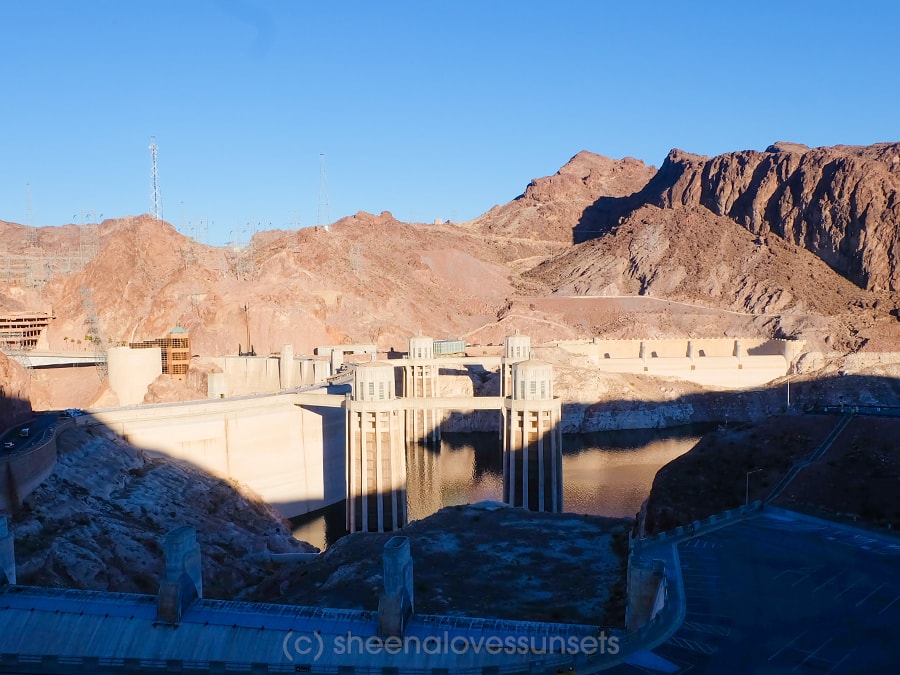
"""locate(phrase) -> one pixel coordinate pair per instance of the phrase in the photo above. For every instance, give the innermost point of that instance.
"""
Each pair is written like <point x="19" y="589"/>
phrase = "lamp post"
<point x="747" y="487"/>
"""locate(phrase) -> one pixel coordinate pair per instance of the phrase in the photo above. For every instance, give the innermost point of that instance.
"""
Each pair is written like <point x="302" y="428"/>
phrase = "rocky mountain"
<point x="688" y="254"/>
<point x="771" y="240"/>
<point x="575" y="204"/>
<point x="842" y="202"/>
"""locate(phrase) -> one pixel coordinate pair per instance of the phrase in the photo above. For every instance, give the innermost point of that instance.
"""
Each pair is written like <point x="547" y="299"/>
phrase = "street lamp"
<point x="747" y="487"/>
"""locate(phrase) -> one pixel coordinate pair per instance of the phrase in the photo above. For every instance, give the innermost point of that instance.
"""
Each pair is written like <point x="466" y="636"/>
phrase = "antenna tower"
<point x="32" y="237"/>
<point x="92" y="326"/>
<point x="154" y="183"/>
<point x="324" y="217"/>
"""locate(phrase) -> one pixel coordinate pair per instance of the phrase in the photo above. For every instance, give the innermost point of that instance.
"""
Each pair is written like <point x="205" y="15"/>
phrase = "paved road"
<point x="779" y="594"/>
<point x="38" y="426"/>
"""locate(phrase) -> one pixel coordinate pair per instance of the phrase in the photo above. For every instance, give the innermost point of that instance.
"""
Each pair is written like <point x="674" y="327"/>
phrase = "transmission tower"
<point x="92" y="327"/>
<point x="154" y="183"/>
<point x="32" y="237"/>
<point x="324" y="217"/>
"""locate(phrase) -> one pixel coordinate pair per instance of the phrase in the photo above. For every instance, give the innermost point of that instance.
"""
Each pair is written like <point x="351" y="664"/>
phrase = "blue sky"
<point x="426" y="109"/>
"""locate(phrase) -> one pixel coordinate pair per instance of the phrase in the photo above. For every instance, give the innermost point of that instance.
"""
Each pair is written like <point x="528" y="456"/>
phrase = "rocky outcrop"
<point x="15" y="393"/>
<point x="842" y="202"/>
<point x="99" y="520"/>
<point x="582" y="199"/>
<point x="688" y="253"/>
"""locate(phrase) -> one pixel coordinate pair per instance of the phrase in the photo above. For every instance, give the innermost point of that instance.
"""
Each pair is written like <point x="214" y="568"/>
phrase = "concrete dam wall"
<point x="292" y="457"/>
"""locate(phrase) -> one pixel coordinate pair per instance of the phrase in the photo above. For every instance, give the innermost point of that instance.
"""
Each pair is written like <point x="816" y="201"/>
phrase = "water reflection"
<point x="605" y="474"/>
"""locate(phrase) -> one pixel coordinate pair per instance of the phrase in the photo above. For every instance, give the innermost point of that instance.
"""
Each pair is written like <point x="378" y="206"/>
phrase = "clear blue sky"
<point x="426" y="109"/>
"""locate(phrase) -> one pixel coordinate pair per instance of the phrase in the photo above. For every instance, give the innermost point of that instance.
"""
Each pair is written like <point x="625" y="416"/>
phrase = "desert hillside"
<point x="791" y="242"/>
<point x="842" y="202"/>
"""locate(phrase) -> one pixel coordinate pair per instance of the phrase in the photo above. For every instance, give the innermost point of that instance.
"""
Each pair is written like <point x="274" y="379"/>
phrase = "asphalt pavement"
<point x="37" y="426"/>
<point x="784" y="593"/>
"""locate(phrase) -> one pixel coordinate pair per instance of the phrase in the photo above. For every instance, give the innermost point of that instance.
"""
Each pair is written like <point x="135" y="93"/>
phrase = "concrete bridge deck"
<point x="45" y="359"/>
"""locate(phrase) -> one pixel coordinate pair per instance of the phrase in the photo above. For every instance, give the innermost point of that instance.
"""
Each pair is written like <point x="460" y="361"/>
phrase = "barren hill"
<point x="691" y="255"/>
<point x="842" y="202"/>
<point x="575" y="203"/>
<point x="701" y="231"/>
<point x="371" y="278"/>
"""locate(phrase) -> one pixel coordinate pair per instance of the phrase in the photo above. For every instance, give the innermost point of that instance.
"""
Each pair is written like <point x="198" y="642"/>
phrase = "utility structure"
<point x="156" y="199"/>
<point x="517" y="348"/>
<point x="376" y="452"/>
<point x="92" y="334"/>
<point x="323" y="217"/>
<point x="532" y="439"/>
<point x="32" y="235"/>
<point x="420" y="380"/>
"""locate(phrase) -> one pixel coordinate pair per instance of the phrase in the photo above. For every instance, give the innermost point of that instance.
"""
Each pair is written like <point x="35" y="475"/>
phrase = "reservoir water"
<point x="604" y="474"/>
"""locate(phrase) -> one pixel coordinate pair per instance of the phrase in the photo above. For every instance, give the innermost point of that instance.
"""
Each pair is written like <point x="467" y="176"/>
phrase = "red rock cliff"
<point x="842" y="202"/>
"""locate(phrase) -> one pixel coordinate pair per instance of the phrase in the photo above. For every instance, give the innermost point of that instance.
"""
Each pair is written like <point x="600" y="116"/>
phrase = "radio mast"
<point x="154" y="183"/>
<point x="324" y="217"/>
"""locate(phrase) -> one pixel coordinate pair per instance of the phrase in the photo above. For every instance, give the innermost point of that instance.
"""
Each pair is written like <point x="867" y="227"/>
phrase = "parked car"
<point x="9" y="445"/>
<point x="24" y="432"/>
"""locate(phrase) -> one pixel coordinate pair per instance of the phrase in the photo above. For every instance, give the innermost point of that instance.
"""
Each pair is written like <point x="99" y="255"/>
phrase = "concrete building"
<point x="376" y="452"/>
<point x="21" y="331"/>
<point x="516" y="348"/>
<point x="532" y="439"/>
<point x="130" y="372"/>
<point x="175" y="351"/>
<point x="420" y="380"/>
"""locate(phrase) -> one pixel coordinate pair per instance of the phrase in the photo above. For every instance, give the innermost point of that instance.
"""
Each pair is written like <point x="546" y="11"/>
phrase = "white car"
<point x="9" y="445"/>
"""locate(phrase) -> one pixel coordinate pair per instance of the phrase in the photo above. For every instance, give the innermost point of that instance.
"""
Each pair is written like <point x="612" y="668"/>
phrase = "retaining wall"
<point x="21" y="472"/>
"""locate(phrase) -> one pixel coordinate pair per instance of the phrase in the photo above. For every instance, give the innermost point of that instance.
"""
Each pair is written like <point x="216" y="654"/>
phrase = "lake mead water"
<point x="604" y="474"/>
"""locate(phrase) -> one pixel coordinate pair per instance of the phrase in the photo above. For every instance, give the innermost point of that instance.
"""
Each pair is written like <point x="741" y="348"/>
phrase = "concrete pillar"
<point x="395" y="606"/>
<point x="517" y="348"/>
<point x="420" y="380"/>
<point x="376" y="452"/>
<point x="183" y="582"/>
<point x="217" y="385"/>
<point x="532" y="439"/>
<point x="7" y="553"/>
<point x="286" y="367"/>
<point x="337" y="360"/>
<point x="130" y="372"/>
<point x="739" y="353"/>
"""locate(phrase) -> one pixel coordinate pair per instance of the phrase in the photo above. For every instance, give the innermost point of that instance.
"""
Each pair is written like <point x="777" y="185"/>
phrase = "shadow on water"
<point x="605" y="474"/>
